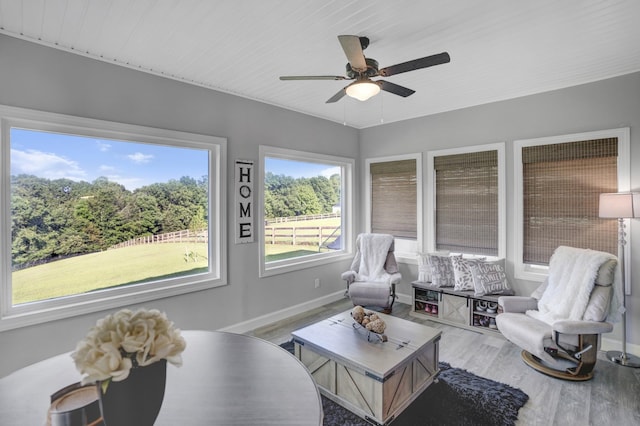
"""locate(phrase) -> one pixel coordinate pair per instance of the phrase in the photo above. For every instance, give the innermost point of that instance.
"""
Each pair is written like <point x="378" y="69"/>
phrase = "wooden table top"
<point x="226" y="379"/>
<point x="337" y="337"/>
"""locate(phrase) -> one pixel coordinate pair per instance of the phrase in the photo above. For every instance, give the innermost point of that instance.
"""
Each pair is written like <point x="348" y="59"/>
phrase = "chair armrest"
<point x="395" y="278"/>
<point x="517" y="304"/>
<point x="582" y="327"/>
<point x="349" y="276"/>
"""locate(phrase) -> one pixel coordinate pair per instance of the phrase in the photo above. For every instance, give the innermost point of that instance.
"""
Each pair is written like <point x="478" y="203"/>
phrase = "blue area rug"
<point x="459" y="398"/>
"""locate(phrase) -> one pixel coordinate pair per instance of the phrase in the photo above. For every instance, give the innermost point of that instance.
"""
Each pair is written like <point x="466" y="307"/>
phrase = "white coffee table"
<point x="375" y="379"/>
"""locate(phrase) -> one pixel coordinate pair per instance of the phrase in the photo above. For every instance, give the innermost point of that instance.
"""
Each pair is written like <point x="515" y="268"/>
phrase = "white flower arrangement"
<point x="125" y="340"/>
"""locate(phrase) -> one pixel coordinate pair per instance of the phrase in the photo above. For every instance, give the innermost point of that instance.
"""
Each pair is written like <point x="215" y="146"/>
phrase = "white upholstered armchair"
<point x="559" y="326"/>
<point x="373" y="275"/>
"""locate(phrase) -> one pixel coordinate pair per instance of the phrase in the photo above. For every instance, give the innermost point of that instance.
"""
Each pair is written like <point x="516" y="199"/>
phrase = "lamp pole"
<point x="621" y="205"/>
<point x="622" y="357"/>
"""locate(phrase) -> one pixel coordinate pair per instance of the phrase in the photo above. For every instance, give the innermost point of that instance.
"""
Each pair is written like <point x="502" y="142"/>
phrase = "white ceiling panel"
<point x="500" y="49"/>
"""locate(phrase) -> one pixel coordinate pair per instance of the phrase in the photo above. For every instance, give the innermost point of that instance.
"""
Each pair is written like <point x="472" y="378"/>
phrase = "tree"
<point x="307" y="200"/>
<point x="325" y="192"/>
<point x="54" y="218"/>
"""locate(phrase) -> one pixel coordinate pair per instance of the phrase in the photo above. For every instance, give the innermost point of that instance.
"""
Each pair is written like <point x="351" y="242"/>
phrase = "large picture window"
<point x="102" y="214"/>
<point x="559" y="180"/>
<point x="467" y="205"/>
<point x="306" y="212"/>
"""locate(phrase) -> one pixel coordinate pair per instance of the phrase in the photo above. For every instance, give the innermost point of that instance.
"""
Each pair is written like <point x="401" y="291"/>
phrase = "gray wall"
<point x="36" y="77"/>
<point x="41" y="78"/>
<point x="601" y="105"/>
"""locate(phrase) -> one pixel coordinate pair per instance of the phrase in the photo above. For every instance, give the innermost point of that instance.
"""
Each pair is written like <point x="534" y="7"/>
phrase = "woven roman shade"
<point x="561" y="188"/>
<point x="466" y="208"/>
<point x="394" y="198"/>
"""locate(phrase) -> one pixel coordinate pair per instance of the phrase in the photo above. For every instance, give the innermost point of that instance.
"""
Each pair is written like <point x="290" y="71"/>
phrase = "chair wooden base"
<point x="576" y="374"/>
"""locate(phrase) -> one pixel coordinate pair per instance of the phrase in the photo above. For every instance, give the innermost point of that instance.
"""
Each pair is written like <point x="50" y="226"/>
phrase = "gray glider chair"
<point x="372" y="278"/>
<point x="559" y="325"/>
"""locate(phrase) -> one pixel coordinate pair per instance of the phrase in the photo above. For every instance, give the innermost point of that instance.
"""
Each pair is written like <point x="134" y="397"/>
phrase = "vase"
<point x="137" y="399"/>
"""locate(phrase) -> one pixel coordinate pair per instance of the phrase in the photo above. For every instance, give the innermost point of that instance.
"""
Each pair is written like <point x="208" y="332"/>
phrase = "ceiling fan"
<point x="361" y="70"/>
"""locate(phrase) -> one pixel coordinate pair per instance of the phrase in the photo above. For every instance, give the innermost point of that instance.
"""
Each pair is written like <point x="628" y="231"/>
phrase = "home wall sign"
<point x="244" y="201"/>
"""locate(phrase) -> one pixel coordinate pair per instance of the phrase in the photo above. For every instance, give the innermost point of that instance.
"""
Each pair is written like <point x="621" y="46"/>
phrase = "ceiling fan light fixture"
<point x="362" y="89"/>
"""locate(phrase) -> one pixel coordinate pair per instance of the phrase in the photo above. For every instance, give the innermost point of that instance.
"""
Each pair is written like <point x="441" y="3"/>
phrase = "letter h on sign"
<point x="244" y="201"/>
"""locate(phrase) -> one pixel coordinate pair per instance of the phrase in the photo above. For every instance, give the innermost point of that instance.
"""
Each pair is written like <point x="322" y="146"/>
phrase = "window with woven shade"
<point x="394" y="198"/>
<point x="561" y="184"/>
<point x="466" y="202"/>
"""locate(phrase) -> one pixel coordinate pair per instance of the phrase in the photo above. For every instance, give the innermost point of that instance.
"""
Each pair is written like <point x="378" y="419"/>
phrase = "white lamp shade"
<point x="620" y="205"/>
<point x="362" y="90"/>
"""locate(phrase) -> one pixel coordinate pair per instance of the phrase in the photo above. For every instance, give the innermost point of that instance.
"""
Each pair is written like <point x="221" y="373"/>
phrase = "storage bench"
<point x="458" y="308"/>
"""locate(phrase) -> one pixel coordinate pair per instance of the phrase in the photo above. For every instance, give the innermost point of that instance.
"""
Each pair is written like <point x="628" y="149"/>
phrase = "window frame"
<point x="406" y="250"/>
<point x="502" y="191"/>
<point x="539" y="273"/>
<point x="65" y="307"/>
<point x="346" y="211"/>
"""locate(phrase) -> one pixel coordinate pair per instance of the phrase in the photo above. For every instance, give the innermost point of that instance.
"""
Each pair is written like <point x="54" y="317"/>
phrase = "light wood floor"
<point x="612" y="397"/>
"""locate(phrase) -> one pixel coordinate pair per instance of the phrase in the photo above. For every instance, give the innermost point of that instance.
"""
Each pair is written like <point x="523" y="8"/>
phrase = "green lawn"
<point x="132" y="265"/>
<point x="285" y="251"/>
<point x="129" y="265"/>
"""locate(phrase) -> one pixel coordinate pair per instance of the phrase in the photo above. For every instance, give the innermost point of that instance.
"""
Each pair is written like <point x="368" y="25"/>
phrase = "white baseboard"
<point x="252" y="324"/>
<point x="404" y="298"/>
<point x="245" y="326"/>
<point x="272" y="317"/>
<point x="616" y="345"/>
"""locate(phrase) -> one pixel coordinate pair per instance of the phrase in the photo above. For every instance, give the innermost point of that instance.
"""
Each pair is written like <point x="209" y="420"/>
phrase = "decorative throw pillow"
<point x="424" y="270"/>
<point x="441" y="271"/>
<point x="462" y="272"/>
<point x="489" y="277"/>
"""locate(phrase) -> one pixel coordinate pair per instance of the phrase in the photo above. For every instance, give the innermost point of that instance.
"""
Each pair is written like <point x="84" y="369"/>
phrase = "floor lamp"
<point x="621" y="205"/>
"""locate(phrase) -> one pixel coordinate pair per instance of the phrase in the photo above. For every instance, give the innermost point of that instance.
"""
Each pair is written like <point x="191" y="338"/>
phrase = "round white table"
<point x="226" y="379"/>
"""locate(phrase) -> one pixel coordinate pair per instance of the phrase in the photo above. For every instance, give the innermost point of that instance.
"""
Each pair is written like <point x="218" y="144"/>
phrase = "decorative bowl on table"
<point x="369" y="324"/>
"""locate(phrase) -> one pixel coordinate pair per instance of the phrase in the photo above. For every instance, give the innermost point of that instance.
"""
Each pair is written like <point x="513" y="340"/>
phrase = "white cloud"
<point x="140" y="158"/>
<point x="330" y="172"/>
<point x="45" y="164"/>
<point x="103" y="146"/>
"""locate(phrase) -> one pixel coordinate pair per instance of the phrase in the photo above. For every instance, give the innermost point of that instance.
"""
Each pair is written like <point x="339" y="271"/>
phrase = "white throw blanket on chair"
<point x="371" y="257"/>
<point x="572" y="273"/>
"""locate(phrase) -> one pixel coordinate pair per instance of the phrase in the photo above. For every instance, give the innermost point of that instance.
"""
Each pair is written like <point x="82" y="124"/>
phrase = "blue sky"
<point x="297" y="169"/>
<point x="55" y="156"/>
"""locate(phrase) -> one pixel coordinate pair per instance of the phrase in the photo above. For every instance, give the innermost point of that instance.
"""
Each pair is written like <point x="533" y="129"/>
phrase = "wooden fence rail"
<point x="301" y="218"/>
<point x="299" y="235"/>
<point x="290" y="235"/>
<point x="185" y="236"/>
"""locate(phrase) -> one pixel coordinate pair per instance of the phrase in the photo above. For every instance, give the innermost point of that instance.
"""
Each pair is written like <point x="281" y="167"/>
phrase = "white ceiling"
<point x="500" y="49"/>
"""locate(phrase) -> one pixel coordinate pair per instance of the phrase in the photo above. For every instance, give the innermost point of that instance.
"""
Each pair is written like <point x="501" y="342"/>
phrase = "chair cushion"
<point x="528" y="333"/>
<point x="598" y="307"/>
<point x="606" y="273"/>
<point x="367" y="293"/>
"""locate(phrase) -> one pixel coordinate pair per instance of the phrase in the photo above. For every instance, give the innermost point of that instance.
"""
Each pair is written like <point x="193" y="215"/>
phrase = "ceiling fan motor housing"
<point x="371" y="71"/>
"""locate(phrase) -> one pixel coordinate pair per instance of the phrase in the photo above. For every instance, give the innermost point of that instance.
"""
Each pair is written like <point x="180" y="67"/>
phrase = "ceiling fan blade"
<point x="416" y="64"/>
<point x="353" y="49"/>
<point x="396" y="89"/>
<point x="337" y="96"/>
<point x="312" y="77"/>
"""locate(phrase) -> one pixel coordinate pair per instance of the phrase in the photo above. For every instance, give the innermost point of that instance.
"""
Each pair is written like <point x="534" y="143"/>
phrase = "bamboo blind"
<point x="561" y="188"/>
<point x="394" y="198"/>
<point x="467" y="202"/>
